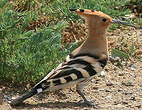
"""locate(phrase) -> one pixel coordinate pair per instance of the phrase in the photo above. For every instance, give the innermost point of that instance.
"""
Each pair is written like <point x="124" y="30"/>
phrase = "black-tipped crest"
<point x="73" y="9"/>
<point x="81" y="10"/>
<point x="93" y="10"/>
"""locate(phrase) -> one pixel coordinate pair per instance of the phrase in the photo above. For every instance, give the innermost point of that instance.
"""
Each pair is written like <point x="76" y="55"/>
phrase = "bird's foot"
<point x="89" y="103"/>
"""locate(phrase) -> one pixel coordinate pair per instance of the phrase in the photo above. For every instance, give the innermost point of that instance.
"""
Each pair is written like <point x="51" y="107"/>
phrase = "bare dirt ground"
<point x="115" y="89"/>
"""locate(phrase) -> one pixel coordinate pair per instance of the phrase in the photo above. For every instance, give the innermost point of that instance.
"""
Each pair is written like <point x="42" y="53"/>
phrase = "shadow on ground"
<point x="56" y="104"/>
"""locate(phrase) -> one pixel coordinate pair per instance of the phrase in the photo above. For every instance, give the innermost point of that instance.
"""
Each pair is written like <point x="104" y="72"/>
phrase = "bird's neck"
<point x="96" y="42"/>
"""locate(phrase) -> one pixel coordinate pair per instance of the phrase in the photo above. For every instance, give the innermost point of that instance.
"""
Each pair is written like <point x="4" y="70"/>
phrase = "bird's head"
<point x="100" y="19"/>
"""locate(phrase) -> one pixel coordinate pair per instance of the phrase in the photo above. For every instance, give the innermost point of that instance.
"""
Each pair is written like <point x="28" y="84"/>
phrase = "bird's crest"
<point x="88" y="13"/>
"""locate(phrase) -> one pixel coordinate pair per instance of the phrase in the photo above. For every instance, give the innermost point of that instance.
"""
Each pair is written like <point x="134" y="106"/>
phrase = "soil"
<point x="114" y="89"/>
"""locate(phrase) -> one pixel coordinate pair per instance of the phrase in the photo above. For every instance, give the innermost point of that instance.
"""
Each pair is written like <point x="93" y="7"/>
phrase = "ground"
<point x="114" y="89"/>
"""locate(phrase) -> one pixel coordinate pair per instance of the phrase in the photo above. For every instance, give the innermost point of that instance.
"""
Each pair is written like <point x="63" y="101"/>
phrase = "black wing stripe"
<point x="84" y="54"/>
<point x="90" y="70"/>
<point x="68" y="72"/>
<point x="71" y="70"/>
<point x="68" y="78"/>
<point x="57" y="82"/>
<point x="103" y="62"/>
<point x="78" y="61"/>
<point x="45" y="83"/>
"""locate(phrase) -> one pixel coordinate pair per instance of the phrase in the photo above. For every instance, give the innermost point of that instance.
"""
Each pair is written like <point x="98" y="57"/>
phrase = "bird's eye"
<point x="104" y="19"/>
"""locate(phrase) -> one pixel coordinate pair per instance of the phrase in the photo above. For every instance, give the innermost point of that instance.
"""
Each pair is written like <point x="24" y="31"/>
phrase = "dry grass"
<point x="75" y="32"/>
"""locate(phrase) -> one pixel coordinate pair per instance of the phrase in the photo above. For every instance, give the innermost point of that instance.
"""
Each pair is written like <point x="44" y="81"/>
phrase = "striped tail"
<point x="37" y="89"/>
<point x="21" y="98"/>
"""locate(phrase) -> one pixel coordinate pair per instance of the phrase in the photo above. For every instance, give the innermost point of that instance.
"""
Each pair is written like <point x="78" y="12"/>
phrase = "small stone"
<point x="102" y="74"/>
<point x="140" y="88"/>
<point x="121" y="74"/>
<point x="124" y="102"/>
<point x="109" y="84"/>
<point x="117" y="58"/>
<point x="127" y="84"/>
<point x="119" y="107"/>
<point x="132" y="74"/>
<point x="108" y="90"/>
<point x="115" y="68"/>
<point x="133" y="67"/>
<point x="96" y="88"/>
<point x="109" y="97"/>
<point x="129" y="34"/>
<point x="127" y="92"/>
<point x="116" y="102"/>
<point x="133" y="98"/>
<point x="120" y="90"/>
<point x="139" y="106"/>
<point x="101" y="89"/>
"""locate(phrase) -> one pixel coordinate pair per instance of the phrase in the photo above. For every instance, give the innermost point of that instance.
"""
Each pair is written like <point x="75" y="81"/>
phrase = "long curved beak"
<point x="125" y="23"/>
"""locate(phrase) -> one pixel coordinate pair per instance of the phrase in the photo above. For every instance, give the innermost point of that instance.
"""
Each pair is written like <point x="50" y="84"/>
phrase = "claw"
<point x="89" y="102"/>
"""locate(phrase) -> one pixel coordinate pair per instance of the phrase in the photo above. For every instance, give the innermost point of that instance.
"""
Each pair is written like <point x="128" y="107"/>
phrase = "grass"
<point x="31" y="33"/>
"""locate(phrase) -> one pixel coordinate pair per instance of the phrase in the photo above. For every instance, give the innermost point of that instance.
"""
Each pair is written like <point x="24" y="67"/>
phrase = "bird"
<point x="83" y="63"/>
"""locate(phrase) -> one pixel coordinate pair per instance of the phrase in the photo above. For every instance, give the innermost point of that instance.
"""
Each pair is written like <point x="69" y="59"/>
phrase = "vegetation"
<point x="31" y="33"/>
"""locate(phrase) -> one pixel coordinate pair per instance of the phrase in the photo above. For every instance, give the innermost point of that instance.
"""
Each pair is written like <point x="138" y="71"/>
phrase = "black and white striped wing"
<point x="73" y="70"/>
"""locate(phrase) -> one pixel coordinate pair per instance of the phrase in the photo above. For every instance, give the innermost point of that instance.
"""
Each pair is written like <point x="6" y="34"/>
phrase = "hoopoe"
<point x="83" y="63"/>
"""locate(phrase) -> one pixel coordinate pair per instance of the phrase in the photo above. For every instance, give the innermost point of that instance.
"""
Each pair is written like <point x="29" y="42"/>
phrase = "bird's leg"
<point x="79" y="89"/>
